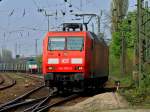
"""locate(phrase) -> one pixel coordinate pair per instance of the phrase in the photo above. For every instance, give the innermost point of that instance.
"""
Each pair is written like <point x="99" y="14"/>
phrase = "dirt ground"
<point x="7" y="81"/>
<point x="23" y="84"/>
<point x="105" y="102"/>
<point x="102" y="101"/>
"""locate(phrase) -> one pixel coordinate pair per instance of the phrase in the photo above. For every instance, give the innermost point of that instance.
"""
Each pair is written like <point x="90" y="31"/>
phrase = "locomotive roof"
<point x="92" y="34"/>
<point x="98" y="38"/>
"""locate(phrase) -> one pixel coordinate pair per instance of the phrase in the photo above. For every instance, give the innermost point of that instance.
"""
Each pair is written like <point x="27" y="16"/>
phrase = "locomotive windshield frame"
<point x="69" y="43"/>
<point x="56" y="43"/>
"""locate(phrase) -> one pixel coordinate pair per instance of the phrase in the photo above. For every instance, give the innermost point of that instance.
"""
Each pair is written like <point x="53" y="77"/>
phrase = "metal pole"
<point x="92" y="27"/>
<point x="99" y="29"/>
<point x="16" y="49"/>
<point x="146" y="29"/>
<point x="123" y="50"/>
<point x="36" y="49"/>
<point x="123" y="53"/>
<point x="4" y="41"/>
<point x="98" y="25"/>
<point x="99" y="22"/>
<point x="19" y="49"/>
<point x="48" y="22"/>
<point x="81" y="5"/>
<point x="139" y="39"/>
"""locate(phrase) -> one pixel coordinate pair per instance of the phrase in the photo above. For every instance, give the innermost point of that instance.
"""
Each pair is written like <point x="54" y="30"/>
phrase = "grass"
<point x="125" y="80"/>
<point x="135" y="96"/>
<point x="138" y="97"/>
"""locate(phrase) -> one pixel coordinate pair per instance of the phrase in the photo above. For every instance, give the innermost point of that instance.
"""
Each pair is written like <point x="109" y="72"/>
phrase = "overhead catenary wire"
<point x="37" y="4"/>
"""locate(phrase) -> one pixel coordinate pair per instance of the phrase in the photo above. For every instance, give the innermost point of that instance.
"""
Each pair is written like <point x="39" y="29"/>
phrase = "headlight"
<point x="51" y="68"/>
<point x="78" y="68"/>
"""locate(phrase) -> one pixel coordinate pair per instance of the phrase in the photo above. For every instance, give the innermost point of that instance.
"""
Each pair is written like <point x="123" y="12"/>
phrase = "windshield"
<point x="65" y="43"/>
<point x="32" y="62"/>
<point x="74" y="43"/>
<point x="56" y="43"/>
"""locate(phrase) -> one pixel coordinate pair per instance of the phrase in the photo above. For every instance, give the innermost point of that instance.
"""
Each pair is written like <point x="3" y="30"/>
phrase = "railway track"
<point x="21" y="100"/>
<point x="35" y="105"/>
<point x="53" y="104"/>
<point x="6" y="82"/>
<point x="38" y="104"/>
<point x="31" y="76"/>
<point x="1" y="80"/>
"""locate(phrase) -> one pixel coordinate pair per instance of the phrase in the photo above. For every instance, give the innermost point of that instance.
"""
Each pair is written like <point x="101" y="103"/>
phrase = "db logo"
<point x="65" y="60"/>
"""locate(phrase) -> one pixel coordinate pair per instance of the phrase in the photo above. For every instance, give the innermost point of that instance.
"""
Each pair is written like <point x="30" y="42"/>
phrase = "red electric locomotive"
<point x="74" y="59"/>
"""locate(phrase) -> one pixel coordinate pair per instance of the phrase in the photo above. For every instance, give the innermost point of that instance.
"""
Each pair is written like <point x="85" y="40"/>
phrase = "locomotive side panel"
<point x="106" y="57"/>
<point x="96" y="57"/>
<point x="88" y="57"/>
<point x="100" y="59"/>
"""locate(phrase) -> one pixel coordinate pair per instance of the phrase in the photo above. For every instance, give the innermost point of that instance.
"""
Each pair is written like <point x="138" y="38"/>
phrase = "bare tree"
<point x="119" y="9"/>
<point x="6" y="55"/>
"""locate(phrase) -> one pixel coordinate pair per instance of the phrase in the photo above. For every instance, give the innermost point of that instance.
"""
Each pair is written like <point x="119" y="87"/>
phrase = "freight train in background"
<point x="74" y="59"/>
<point x="29" y="66"/>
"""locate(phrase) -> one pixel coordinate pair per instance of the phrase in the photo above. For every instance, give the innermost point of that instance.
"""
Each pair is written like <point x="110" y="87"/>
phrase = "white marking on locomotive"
<point x="53" y="61"/>
<point x="65" y="60"/>
<point x="76" y="60"/>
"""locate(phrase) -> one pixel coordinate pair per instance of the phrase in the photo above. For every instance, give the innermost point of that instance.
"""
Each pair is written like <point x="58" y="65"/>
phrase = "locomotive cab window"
<point x="75" y="43"/>
<point x="66" y="43"/>
<point x="56" y="43"/>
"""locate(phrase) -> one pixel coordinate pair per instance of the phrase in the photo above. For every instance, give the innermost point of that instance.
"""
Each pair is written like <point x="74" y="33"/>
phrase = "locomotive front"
<point x="32" y="66"/>
<point x="63" y="59"/>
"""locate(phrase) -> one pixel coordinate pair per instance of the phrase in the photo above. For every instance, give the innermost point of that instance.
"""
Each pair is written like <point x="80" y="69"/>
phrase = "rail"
<point x="1" y="80"/>
<point x="5" y="86"/>
<point x="19" y="100"/>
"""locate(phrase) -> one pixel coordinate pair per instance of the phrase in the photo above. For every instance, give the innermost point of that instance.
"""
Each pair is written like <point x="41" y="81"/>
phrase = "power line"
<point x="36" y="4"/>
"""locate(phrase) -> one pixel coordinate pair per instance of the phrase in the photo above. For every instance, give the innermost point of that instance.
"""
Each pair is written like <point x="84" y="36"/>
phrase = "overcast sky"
<point x="21" y="23"/>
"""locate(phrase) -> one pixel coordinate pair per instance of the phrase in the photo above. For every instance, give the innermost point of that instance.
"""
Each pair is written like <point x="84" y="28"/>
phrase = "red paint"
<point x="95" y="60"/>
